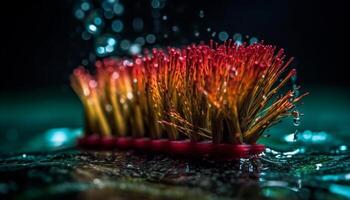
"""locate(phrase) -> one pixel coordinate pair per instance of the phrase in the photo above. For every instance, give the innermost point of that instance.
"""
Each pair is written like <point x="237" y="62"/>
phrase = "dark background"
<point x="40" y="44"/>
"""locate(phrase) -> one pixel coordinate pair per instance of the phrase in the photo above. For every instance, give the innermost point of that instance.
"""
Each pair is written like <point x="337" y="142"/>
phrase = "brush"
<point x="201" y="100"/>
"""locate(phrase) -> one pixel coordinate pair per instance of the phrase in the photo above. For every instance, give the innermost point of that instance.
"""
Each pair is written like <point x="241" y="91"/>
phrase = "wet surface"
<point x="132" y="175"/>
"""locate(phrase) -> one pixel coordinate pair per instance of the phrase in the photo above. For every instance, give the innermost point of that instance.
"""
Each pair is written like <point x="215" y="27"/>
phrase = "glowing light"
<point x="100" y="50"/>
<point x="111" y="41"/>
<point x="129" y="95"/>
<point x="340" y="189"/>
<point x="109" y="48"/>
<point x="135" y="49"/>
<point x="57" y="136"/>
<point x="343" y="148"/>
<point x="92" y="28"/>
<point x="289" y="138"/>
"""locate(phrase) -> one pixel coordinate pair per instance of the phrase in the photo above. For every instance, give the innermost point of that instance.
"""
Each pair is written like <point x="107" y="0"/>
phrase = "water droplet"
<point x="318" y="165"/>
<point x="296" y="117"/>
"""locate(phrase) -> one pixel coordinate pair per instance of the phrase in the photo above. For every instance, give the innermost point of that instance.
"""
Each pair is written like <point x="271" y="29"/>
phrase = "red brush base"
<point x="179" y="147"/>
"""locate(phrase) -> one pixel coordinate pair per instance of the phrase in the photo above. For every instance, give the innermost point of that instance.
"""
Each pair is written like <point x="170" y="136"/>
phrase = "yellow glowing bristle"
<point x="225" y="94"/>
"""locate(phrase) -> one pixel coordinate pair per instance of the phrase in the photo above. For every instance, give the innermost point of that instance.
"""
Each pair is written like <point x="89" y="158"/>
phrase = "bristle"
<point x="199" y="93"/>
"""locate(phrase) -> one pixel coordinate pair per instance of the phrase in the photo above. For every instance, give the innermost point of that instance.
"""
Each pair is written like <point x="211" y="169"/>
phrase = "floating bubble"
<point x="107" y="5"/>
<point x="155" y="4"/>
<point x="150" y="38"/>
<point x="79" y="14"/>
<point x="85" y="35"/>
<point x="201" y="13"/>
<point x="111" y="41"/>
<point x="100" y="50"/>
<point x="125" y="44"/>
<point x="108" y="14"/>
<point x="140" y="41"/>
<point x="175" y="29"/>
<point x="135" y="49"/>
<point x="118" y="9"/>
<point x="165" y="17"/>
<point x="196" y="33"/>
<point x="253" y="40"/>
<point x="109" y="48"/>
<point x="105" y="45"/>
<point x="223" y="36"/>
<point x="98" y="21"/>
<point x="85" y="6"/>
<point x="117" y="26"/>
<point x="237" y="37"/>
<point x="94" y="23"/>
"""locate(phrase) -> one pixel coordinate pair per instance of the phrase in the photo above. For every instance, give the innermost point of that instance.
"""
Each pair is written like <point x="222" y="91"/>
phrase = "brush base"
<point x="185" y="148"/>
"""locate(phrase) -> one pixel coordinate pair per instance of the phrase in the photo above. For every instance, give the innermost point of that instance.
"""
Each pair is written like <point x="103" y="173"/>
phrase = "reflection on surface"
<point x="132" y="175"/>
